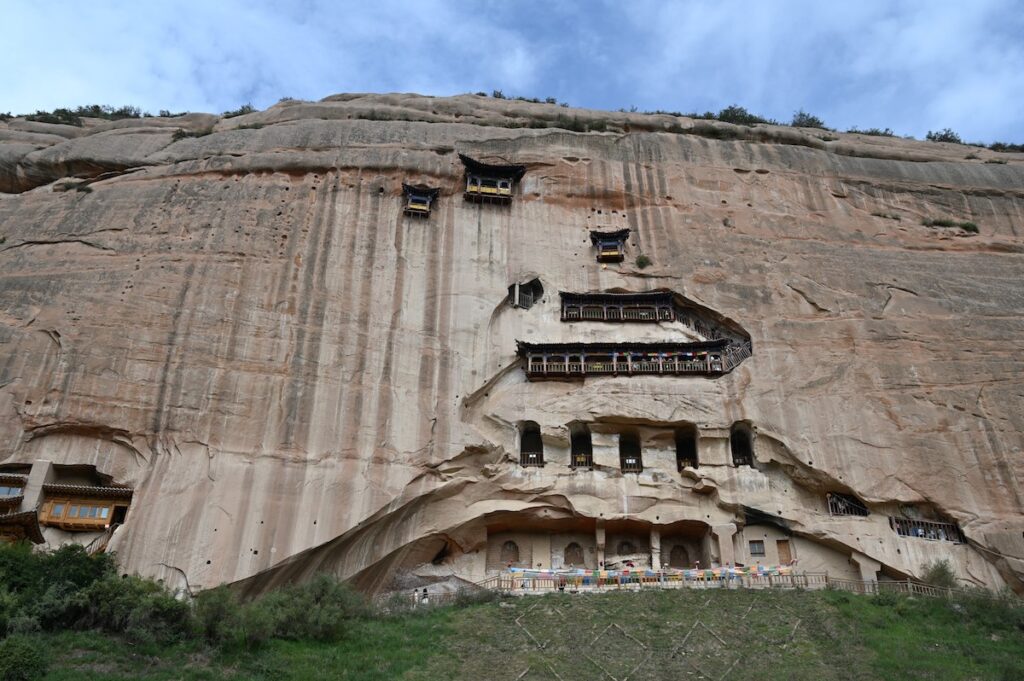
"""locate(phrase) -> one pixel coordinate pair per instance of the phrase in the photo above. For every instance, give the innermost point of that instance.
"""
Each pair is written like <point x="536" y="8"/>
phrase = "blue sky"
<point x="909" y="66"/>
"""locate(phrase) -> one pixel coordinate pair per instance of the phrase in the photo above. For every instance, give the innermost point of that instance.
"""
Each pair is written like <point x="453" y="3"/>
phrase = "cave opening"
<point x="686" y="447"/>
<point x="741" y="443"/>
<point x="525" y="294"/>
<point x="531" y="446"/>
<point x="630" y="458"/>
<point x="581" y="446"/>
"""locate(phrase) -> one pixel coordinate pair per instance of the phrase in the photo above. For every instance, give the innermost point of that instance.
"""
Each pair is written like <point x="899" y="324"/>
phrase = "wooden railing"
<point x="841" y="504"/>
<point x="926" y="529"/>
<point x="531" y="459"/>
<point x="557" y="366"/>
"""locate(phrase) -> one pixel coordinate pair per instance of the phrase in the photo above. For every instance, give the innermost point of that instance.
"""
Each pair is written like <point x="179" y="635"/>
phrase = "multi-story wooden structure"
<point x="488" y="183"/>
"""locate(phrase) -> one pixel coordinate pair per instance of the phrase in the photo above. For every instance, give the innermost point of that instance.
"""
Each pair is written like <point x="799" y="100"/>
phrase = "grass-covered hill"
<point x="67" y="615"/>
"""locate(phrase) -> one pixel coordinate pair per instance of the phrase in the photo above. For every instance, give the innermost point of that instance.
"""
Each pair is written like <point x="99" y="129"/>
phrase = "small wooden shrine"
<point x="84" y="508"/>
<point x="487" y="183"/>
<point x="419" y="199"/>
<point x="611" y="246"/>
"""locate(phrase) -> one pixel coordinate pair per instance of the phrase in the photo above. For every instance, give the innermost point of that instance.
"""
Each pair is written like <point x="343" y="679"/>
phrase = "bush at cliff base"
<point x="21" y="659"/>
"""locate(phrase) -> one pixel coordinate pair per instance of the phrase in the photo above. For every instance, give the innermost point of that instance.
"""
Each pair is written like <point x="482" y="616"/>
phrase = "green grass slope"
<point x="670" y="635"/>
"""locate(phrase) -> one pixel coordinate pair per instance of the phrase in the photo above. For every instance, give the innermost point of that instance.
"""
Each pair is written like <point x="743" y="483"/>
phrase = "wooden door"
<point x="785" y="555"/>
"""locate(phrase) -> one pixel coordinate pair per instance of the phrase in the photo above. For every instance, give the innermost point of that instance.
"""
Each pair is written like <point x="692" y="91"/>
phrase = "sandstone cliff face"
<point x="292" y="376"/>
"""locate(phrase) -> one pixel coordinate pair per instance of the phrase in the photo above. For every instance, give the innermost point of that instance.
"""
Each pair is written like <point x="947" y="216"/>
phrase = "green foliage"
<point x="75" y="116"/>
<point x="888" y="216"/>
<point x="472" y="597"/>
<point x="181" y="133"/>
<point x="946" y="222"/>
<point x="5" y="116"/>
<point x="165" y="113"/>
<point x="739" y="116"/>
<point x="497" y="94"/>
<point x="550" y="100"/>
<point x="944" y="135"/>
<point x="68" y="588"/>
<point x="642" y="261"/>
<point x="22" y="659"/>
<point x="240" y="111"/>
<point x="876" y="132"/>
<point x="317" y="610"/>
<point x="802" y="119"/>
<point x="108" y="112"/>
<point x="480" y="94"/>
<point x="218" y="615"/>
<point x="940" y="573"/>
<point x="142" y="609"/>
<point x="1006" y="147"/>
<point x="824" y="636"/>
<point x="57" y="117"/>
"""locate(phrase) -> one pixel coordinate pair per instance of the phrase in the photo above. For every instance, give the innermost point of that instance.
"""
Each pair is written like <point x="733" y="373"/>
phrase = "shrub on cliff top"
<point x="802" y="119"/>
<point x="240" y="111"/>
<point x="944" y="135"/>
<point x="739" y="116"/>
<point x="877" y="132"/>
<point x="57" y="117"/>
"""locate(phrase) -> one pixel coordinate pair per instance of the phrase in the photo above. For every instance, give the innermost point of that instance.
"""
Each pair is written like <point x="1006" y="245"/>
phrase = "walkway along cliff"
<point x="414" y="341"/>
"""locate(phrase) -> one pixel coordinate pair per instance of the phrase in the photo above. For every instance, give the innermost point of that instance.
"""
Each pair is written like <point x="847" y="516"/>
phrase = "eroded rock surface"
<point x="242" y="326"/>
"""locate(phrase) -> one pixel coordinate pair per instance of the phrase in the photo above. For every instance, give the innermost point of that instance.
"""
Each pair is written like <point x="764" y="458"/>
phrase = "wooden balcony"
<point x="566" y="361"/>
<point x="490" y="183"/>
<point x="618" y="307"/>
<point x="926" y="529"/>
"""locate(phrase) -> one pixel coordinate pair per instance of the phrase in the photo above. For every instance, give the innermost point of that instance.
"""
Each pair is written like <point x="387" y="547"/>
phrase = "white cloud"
<point x="906" y="65"/>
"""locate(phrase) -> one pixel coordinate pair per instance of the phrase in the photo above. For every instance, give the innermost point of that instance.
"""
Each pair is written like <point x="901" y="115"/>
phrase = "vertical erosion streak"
<point x="314" y="340"/>
<point x="365" y="345"/>
<point x="347" y="342"/>
<point x="389" y="369"/>
<point x="631" y="204"/>
<point x="310" y="308"/>
<point x="159" y="417"/>
<point x="656" y="192"/>
<point x="430" y="347"/>
<point x="447" y="363"/>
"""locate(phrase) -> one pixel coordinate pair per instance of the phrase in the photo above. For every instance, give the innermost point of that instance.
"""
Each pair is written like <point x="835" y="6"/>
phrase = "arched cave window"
<point x="686" y="447"/>
<point x="582" y="454"/>
<point x="574" y="555"/>
<point x="626" y="548"/>
<point x="524" y="295"/>
<point x="531" y="447"/>
<point x="679" y="557"/>
<point x="629" y="453"/>
<point x="509" y="553"/>
<point x="741" y="442"/>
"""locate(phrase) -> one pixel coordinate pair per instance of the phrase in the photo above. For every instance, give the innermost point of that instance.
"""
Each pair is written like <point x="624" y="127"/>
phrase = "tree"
<point x="802" y="119"/>
<point x="944" y="135"/>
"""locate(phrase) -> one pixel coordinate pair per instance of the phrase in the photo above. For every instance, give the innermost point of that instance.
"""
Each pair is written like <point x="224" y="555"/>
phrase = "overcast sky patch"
<point x="909" y="66"/>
